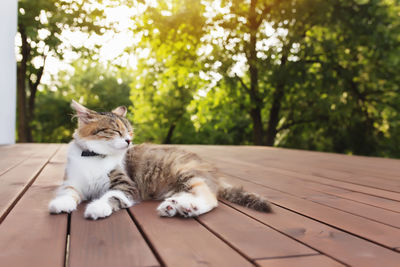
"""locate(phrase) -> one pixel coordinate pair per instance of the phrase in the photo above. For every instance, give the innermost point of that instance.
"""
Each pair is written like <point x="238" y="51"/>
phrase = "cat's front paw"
<point x="62" y="204"/>
<point x="98" y="209"/>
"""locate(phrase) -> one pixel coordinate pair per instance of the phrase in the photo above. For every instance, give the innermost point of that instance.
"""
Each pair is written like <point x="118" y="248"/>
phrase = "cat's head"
<point x="102" y="132"/>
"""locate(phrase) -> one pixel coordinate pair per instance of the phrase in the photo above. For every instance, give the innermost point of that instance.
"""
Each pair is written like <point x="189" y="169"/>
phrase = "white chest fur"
<point x="90" y="174"/>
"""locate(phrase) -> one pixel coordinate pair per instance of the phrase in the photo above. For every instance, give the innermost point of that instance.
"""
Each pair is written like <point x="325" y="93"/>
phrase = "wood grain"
<point x="338" y="244"/>
<point x="13" y="155"/>
<point x="328" y="210"/>
<point x="114" y="241"/>
<point x="184" y="242"/>
<point x="371" y="230"/>
<point x="30" y="236"/>
<point x="305" y="261"/>
<point x="313" y="163"/>
<point x="251" y="237"/>
<point x="15" y="182"/>
<point x="297" y="188"/>
<point x="280" y="161"/>
<point x="376" y="197"/>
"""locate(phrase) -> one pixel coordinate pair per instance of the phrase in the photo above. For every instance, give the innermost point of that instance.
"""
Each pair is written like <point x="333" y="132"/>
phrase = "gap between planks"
<point x="321" y="202"/>
<point x="67" y="241"/>
<point x="318" y="252"/>
<point x="226" y="241"/>
<point x="146" y="238"/>
<point x="367" y="211"/>
<point x="312" y="178"/>
<point x="318" y="220"/>
<point x="285" y="257"/>
<point x="26" y="186"/>
<point x="276" y="163"/>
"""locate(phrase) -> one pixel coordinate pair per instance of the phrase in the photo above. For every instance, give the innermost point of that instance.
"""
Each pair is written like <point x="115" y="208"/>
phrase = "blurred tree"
<point x="355" y="57"/>
<point x="99" y="87"/>
<point x="169" y="74"/>
<point x="256" y="50"/>
<point x="220" y="117"/>
<point x="310" y="74"/>
<point x="40" y="24"/>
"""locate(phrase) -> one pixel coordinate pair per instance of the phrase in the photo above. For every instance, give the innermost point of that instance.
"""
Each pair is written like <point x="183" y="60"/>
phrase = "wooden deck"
<point x="329" y="210"/>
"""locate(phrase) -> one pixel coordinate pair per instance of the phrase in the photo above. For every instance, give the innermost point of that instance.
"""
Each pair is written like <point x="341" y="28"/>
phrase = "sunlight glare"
<point x="112" y="43"/>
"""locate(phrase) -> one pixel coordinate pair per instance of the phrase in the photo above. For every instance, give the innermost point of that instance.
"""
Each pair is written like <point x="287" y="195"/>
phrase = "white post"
<point x="8" y="70"/>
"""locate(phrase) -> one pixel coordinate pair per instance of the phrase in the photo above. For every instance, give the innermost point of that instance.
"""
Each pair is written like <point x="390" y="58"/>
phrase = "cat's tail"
<point x="241" y="197"/>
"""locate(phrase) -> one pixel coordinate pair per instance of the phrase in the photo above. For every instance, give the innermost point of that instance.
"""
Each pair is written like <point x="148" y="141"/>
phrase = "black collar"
<point x="88" y="153"/>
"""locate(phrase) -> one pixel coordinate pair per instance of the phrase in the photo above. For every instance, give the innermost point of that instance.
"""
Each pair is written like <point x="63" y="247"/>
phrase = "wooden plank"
<point x="375" y="201"/>
<point x="380" y="202"/>
<point x="30" y="236"/>
<point x="329" y="240"/>
<point x="15" y="182"/>
<point x="314" y="167"/>
<point x="299" y="162"/>
<point x="223" y="153"/>
<point x="302" y="188"/>
<point x="339" y="184"/>
<point x="306" y="261"/>
<point x="295" y="187"/>
<point x="351" y="162"/>
<point x="61" y="157"/>
<point x="388" y="168"/>
<point x="13" y="155"/>
<point x="373" y="213"/>
<point x="371" y="230"/>
<point x="8" y="161"/>
<point x="356" y="169"/>
<point x="114" y="241"/>
<point x="339" y="189"/>
<point x="251" y="237"/>
<point x="184" y="242"/>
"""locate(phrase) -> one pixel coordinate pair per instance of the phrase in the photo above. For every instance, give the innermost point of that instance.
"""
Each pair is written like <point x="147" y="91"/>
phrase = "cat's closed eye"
<point x="118" y="132"/>
<point x="107" y="132"/>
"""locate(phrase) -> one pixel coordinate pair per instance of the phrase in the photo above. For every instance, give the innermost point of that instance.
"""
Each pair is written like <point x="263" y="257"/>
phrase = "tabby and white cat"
<point x="102" y="167"/>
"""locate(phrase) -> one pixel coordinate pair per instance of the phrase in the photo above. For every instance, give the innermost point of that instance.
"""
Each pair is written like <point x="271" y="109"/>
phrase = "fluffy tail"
<point x="239" y="196"/>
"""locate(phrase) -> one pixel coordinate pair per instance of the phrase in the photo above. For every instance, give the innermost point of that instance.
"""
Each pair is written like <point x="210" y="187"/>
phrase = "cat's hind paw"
<point x="167" y="208"/>
<point x="188" y="207"/>
<point x="98" y="209"/>
<point x="184" y="204"/>
<point x="62" y="204"/>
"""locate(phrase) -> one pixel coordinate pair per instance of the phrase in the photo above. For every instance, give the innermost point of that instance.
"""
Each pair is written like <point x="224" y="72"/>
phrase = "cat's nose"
<point x="128" y="141"/>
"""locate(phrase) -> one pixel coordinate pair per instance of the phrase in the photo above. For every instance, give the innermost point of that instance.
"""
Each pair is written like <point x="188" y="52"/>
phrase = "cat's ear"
<point x="84" y="114"/>
<point x="120" y="111"/>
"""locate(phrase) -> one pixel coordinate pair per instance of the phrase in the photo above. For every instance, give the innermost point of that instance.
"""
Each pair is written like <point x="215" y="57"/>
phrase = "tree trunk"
<point x="256" y="101"/>
<point x="276" y="101"/>
<point x="168" y="138"/>
<point x="257" y="126"/>
<point x="364" y="141"/>
<point x="274" y="115"/>
<point x="33" y="86"/>
<point x="22" y="124"/>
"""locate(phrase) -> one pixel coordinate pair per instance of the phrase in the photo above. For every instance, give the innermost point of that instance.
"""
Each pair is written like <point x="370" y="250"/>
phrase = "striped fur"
<point x="239" y="196"/>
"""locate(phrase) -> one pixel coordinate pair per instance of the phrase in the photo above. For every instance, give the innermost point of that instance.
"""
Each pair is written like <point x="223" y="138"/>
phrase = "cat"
<point x="104" y="168"/>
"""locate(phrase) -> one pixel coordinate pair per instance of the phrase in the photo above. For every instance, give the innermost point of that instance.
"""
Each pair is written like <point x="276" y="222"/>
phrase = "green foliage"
<point x="168" y="77"/>
<point x="220" y="118"/>
<point x="353" y="55"/>
<point x="53" y="121"/>
<point x="310" y="74"/>
<point x="95" y="86"/>
<point x="41" y="23"/>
